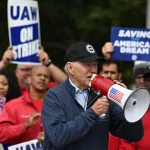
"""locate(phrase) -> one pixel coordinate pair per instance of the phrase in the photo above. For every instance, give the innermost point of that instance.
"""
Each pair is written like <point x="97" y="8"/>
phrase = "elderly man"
<point x="69" y="122"/>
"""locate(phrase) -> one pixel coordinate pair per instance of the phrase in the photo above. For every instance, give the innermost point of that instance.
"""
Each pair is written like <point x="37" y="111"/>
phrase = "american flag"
<point x="115" y="94"/>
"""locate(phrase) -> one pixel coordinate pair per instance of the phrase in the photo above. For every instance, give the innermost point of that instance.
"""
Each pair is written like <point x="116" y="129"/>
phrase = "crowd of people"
<point x="57" y="112"/>
<point x="141" y="76"/>
<point x="20" y="119"/>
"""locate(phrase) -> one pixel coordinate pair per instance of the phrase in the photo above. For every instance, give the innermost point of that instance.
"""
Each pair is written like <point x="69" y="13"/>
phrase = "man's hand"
<point x="32" y="120"/>
<point x="40" y="137"/>
<point x="107" y="49"/>
<point x="100" y="106"/>
<point x="43" y="56"/>
<point x="119" y="83"/>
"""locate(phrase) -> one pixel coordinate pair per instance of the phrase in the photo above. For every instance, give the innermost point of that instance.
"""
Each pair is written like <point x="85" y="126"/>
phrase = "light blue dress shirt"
<point x="81" y="96"/>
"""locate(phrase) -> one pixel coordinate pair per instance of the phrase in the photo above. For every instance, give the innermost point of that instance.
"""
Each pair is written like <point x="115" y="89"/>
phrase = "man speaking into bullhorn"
<point x="69" y="122"/>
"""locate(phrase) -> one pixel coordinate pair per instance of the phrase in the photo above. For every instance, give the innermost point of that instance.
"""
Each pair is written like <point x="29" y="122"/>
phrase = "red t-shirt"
<point x="52" y="84"/>
<point x="38" y="104"/>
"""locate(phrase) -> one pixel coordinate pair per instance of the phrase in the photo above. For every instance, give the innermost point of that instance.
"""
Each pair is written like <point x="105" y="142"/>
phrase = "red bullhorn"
<point x="134" y="103"/>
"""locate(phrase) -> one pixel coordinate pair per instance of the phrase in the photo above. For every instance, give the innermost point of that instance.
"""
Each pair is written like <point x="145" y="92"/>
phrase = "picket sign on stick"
<point x="24" y="30"/>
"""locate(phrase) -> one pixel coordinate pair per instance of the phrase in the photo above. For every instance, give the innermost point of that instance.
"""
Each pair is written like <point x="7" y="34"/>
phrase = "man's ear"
<point x="70" y="67"/>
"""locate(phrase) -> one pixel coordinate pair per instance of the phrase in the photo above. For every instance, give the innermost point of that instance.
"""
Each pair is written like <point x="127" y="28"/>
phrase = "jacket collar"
<point x="71" y="89"/>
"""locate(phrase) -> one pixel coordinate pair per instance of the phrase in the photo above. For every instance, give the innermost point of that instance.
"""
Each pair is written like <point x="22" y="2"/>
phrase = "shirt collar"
<point x="76" y="88"/>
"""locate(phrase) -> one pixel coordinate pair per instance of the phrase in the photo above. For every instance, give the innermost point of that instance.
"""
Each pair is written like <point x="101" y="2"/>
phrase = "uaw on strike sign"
<point x="24" y="30"/>
<point x="29" y="145"/>
<point x="131" y="44"/>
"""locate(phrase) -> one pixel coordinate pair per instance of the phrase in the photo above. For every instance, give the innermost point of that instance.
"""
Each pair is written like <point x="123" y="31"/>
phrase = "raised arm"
<point x="7" y="57"/>
<point x="57" y="74"/>
<point x="107" y="49"/>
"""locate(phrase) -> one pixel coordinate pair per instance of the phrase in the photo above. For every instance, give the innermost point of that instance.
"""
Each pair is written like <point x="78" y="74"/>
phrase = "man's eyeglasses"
<point x="25" y="69"/>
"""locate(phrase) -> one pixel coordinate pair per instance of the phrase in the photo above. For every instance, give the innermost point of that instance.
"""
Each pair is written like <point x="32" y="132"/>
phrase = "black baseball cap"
<point x="83" y="52"/>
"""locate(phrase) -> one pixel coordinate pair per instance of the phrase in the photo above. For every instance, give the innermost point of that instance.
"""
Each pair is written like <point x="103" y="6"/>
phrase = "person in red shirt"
<point x="20" y="120"/>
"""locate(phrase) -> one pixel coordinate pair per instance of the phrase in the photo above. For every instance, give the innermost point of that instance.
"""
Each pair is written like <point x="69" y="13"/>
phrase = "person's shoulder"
<point x="59" y="91"/>
<point x="59" y="87"/>
<point x="14" y="102"/>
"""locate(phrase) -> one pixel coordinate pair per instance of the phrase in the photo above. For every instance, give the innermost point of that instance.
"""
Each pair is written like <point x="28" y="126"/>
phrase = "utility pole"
<point x="148" y="15"/>
<point x="147" y="26"/>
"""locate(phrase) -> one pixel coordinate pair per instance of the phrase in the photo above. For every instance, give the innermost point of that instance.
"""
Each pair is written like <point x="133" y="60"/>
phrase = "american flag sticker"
<point x="116" y="95"/>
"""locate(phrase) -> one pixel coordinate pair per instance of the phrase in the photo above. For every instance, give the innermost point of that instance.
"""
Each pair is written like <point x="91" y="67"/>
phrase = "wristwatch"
<point x="49" y="63"/>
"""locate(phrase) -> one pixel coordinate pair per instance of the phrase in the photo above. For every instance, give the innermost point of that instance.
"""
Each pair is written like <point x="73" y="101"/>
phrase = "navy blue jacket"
<point x="68" y="127"/>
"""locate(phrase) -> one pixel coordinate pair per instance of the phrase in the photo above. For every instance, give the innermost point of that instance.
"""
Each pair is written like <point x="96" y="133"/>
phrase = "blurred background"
<point x="63" y="23"/>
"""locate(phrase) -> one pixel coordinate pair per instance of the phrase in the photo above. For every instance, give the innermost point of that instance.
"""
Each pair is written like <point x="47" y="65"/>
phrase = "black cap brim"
<point x="92" y="58"/>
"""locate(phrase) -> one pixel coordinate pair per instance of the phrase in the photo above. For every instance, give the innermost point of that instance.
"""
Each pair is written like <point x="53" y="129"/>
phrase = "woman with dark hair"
<point x="9" y="82"/>
<point x="9" y="89"/>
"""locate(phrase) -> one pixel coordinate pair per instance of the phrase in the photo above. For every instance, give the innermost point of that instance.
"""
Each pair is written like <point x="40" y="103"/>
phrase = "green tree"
<point x="66" y="22"/>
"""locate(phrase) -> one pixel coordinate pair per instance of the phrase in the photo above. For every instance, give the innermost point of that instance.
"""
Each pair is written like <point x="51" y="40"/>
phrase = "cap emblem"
<point x="90" y="48"/>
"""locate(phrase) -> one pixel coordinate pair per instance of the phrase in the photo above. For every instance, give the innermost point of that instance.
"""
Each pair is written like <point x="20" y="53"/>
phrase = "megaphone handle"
<point x="94" y="100"/>
<point x="102" y="116"/>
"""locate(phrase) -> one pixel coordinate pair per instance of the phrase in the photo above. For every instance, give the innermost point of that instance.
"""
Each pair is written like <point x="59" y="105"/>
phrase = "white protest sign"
<point x="30" y="145"/>
<point x="24" y="30"/>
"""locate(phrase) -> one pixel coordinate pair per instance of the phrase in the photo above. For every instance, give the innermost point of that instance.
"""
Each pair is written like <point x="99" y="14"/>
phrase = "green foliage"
<point x="70" y="21"/>
<point x="66" y="22"/>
